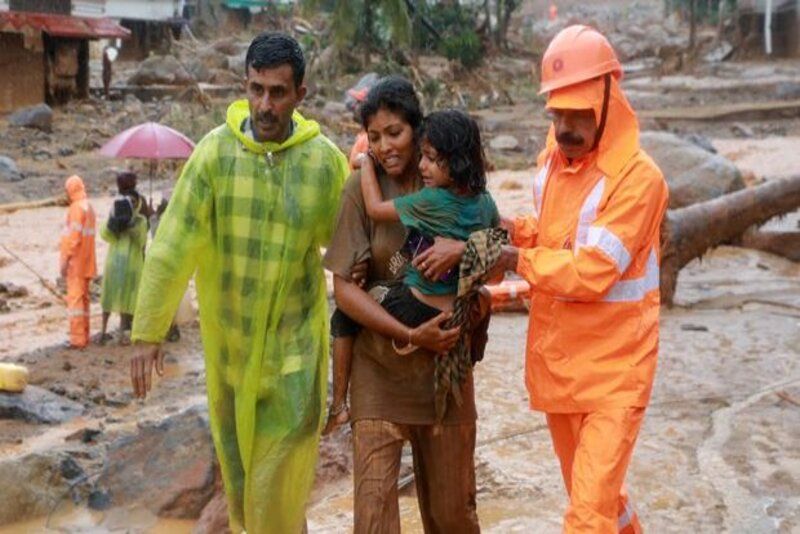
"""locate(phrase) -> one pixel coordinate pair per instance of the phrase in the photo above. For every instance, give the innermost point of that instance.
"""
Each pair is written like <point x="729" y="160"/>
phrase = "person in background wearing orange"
<point x="361" y="144"/>
<point x="590" y="253"/>
<point x="78" y="265"/>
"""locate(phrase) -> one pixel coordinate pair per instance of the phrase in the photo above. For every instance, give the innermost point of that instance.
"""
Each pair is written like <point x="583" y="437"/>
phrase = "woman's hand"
<point x="440" y="258"/>
<point x="430" y="335"/>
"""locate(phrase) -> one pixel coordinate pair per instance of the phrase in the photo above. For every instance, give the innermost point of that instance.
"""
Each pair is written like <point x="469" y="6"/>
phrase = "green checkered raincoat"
<point x="123" y="267"/>
<point x="250" y="218"/>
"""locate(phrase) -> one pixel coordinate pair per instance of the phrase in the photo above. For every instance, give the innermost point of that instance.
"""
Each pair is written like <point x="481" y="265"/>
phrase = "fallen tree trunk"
<point x="687" y="233"/>
<point x="786" y="244"/>
<point x="44" y="203"/>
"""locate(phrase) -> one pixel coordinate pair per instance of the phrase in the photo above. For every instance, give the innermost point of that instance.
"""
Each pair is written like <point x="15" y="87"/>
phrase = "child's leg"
<point x="342" y="356"/>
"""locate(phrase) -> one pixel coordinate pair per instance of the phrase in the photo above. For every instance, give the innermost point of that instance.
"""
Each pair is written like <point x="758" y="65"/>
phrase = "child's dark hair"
<point x="457" y="139"/>
<point x="395" y="94"/>
<point x="272" y="49"/>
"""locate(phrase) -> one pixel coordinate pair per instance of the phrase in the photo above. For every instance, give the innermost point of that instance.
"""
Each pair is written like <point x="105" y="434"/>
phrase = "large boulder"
<point x="160" y="70"/>
<point x="33" y="485"/>
<point x="167" y="467"/>
<point x="9" y="171"/>
<point x="37" y="405"/>
<point x="39" y="116"/>
<point x="693" y="174"/>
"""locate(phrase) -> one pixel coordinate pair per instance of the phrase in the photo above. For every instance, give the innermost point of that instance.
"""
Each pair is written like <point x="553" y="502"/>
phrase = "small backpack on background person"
<point x="121" y="217"/>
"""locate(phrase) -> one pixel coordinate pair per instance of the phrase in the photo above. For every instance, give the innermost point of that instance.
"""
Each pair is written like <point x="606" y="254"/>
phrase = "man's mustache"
<point x="570" y="139"/>
<point x="266" y="117"/>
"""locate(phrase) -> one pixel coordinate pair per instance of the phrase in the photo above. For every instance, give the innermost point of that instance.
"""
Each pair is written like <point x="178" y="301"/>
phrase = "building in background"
<point x="44" y="51"/>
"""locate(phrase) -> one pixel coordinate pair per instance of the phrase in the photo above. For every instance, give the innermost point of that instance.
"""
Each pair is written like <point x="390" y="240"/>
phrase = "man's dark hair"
<point x="395" y="94"/>
<point x="457" y="140"/>
<point x="271" y="49"/>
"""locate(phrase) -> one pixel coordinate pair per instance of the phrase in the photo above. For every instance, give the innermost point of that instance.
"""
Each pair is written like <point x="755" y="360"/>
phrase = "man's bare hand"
<point x="358" y="274"/>
<point x="507" y="224"/>
<point x="439" y="258"/>
<point x="146" y="356"/>
<point x="507" y="262"/>
<point x="430" y="335"/>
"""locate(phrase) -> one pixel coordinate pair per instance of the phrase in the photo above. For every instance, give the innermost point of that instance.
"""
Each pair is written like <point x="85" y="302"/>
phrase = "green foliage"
<point x="455" y="24"/>
<point x="365" y="23"/>
<point x="465" y="47"/>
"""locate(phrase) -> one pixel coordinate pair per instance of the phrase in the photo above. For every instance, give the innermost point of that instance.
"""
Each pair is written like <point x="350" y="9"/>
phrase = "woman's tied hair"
<point x="457" y="139"/>
<point x="272" y="49"/>
<point x="395" y="94"/>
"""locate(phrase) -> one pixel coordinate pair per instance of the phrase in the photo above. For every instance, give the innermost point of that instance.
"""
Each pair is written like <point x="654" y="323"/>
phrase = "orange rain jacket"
<point x="591" y="255"/>
<point x="77" y="239"/>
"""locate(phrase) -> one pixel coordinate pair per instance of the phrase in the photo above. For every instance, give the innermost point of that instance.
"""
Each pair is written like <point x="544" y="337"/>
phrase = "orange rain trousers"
<point x="594" y="450"/>
<point x="78" y="310"/>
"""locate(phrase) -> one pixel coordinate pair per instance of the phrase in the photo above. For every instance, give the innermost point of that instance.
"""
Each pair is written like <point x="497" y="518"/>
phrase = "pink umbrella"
<point x="151" y="141"/>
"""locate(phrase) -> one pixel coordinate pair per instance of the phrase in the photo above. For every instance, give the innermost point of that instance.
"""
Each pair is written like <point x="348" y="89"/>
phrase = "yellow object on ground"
<point x="13" y="378"/>
<point x="250" y="218"/>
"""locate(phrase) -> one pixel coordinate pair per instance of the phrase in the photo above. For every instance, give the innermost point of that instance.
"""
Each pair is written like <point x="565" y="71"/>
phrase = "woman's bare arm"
<point x="363" y="309"/>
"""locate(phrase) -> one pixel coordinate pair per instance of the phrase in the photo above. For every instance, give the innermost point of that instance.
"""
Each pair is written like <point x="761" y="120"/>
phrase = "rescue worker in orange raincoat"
<point x="590" y="252"/>
<point x="78" y="265"/>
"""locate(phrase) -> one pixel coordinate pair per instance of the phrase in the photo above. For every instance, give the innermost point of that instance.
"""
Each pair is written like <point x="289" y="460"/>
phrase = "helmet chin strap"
<point x="604" y="113"/>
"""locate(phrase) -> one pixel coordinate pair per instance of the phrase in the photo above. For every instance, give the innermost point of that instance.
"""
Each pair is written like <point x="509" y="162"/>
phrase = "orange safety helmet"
<point x="576" y="54"/>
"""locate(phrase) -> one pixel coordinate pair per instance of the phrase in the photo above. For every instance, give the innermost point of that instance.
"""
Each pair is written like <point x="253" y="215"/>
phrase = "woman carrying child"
<point x="392" y="394"/>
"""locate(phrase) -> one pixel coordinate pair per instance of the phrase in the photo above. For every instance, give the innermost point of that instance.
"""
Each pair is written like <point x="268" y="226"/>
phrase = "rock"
<point x="167" y="467"/>
<point x="214" y="518"/>
<point x="99" y="500"/>
<point x="742" y="130"/>
<point x="788" y="90"/>
<point x="693" y="174"/>
<point x="39" y="117"/>
<point x="14" y="291"/>
<point x="212" y="58"/>
<point x="224" y="77"/>
<point x="9" y="171"/>
<point x="70" y="469"/>
<point x="4" y="307"/>
<point x="32" y="485"/>
<point x="504" y="142"/>
<point x="334" y="110"/>
<point x="84" y="435"/>
<point x="199" y="71"/>
<point x="37" y="405"/>
<point x="236" y="63"/>
<point x="229" y="46"/>
<point x="156" y="70"/>
<point x="42" y="154"/>
<point x="702" y="141"/>
<point x="65" y="151"/>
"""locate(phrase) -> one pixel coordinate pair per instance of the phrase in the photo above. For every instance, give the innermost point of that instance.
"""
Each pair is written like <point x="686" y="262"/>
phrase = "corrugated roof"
<point x="61" y="25"/>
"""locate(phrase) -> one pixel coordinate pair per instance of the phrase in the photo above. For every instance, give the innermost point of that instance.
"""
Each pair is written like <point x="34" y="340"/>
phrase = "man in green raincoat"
<point x="255" y="202"/>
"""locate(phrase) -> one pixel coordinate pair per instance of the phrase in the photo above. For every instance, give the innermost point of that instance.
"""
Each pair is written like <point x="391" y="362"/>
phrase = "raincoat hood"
<point x="75" y="188"/>
<point x="239" y="111"/>
<point x="620" y="138"/>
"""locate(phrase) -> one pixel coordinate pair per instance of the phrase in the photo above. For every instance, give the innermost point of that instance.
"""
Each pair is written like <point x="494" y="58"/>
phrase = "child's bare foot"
<point x="337" y="416"/>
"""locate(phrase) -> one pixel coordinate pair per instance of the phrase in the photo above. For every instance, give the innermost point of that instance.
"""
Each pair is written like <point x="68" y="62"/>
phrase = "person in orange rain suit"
<point x="78" y="265"/>
<point x="590" y="253"/>
<point x="361" y="144"/>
